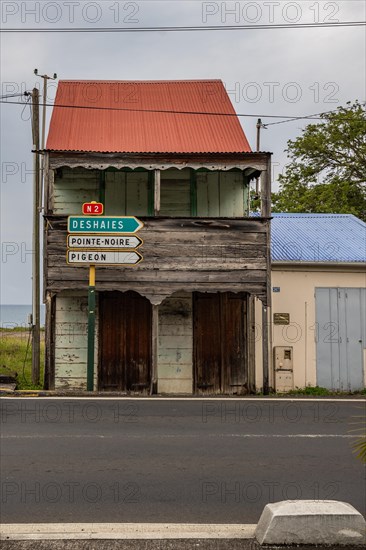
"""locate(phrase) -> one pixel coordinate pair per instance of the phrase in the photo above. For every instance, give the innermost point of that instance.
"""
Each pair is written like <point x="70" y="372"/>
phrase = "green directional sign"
<point x="103" y="224"/>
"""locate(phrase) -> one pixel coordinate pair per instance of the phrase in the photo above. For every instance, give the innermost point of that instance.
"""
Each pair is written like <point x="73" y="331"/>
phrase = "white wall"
<point x="175" y="366"/>
<point x="297" y="297"/>
<point x="72" y="341"/>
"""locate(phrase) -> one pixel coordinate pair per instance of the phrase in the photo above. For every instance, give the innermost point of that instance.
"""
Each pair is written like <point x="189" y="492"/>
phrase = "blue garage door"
<point x="341" y="337"/>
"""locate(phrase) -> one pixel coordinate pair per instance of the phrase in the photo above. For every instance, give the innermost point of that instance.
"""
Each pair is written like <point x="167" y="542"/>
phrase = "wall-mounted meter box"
<point x="284" y="368"/>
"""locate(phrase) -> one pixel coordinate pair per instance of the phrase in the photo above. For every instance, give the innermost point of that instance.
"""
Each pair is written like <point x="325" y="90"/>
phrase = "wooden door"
<point x="220" y="333"/>
<point x="124" y="342"/>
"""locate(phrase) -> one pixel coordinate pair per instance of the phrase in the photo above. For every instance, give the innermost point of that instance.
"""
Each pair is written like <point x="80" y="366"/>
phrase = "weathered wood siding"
<point x="175" y="192"/>
<point x="72" y="188"/>
<point x="175" y="369"/>
<point x="194" y="254"/>
<point x="71" y="341"/>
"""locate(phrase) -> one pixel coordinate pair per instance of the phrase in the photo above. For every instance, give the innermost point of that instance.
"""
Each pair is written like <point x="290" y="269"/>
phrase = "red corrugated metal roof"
<point x="124" y="117"/>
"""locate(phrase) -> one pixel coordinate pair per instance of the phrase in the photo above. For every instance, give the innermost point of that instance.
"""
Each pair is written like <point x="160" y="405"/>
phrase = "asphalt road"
<point x="173" y="461"/>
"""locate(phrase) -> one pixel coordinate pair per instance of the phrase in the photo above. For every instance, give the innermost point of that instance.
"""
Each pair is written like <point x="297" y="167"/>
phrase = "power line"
<point x="338" y="24"/>
<point x="162" y="111"/>
<point x="11" y="96"/>
<point x="310" y="117"/>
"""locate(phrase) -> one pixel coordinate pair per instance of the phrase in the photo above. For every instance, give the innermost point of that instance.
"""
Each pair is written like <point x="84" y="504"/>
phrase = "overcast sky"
<point x="267" y="72"/>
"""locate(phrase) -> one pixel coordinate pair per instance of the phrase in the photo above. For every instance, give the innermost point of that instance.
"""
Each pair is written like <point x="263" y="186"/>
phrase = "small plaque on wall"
<point x="281" y="318"/>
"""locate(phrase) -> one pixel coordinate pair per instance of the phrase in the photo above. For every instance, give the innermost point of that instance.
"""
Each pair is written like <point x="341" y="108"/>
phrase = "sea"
<point x="13" y="316"/>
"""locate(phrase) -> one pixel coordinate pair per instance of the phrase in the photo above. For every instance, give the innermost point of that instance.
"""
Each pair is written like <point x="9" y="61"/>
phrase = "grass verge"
<point x="16" y="357"/>
<point x="319" y="391"/>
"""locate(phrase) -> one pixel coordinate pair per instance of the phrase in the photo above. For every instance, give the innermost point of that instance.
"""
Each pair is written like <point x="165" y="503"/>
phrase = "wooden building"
<point x="172" y="153"/>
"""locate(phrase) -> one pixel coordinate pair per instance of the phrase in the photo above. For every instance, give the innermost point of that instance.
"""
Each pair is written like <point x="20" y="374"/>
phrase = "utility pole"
<point x="46" y="78"/>
<point x="259" y="127"/>
<point x="38" y="182"/>
<point x="36" y="309"/>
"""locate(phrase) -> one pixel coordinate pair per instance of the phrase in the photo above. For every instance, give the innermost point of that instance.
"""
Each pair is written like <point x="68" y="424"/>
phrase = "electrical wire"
<point x="12" y="95"/>
<point x="310" y="117"/>
<point x="189" y="28"/>
<point x="317" y="116"/>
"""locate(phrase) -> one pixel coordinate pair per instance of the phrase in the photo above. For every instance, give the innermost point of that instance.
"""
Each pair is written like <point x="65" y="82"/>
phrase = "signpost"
<point x="103" y="240"/>
<point x="93" y="208"/>
<point x="108" y="257"/>
<point x="104" y="224"/>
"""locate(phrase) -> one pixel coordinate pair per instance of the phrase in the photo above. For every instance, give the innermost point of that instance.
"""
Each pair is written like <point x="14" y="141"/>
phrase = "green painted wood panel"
<point x="126" y="193"/>
<point x="175" y="192"/>
<point x="137" y="195"/>
<point x="222" y="194"/>
<point x="115" y="194"/>
<point x="208" y="197"/>
<point x="231" y="194"/>
<point x="73" y="188"/>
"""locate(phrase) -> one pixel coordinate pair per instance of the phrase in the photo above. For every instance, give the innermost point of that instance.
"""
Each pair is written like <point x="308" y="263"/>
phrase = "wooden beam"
<point x="266" y="190"/>
<point x="265" y="353"/>
<point x="102" y="187"/>
<point x="251" y="343"/>
<point x="156" y="192"/>
<point x="155" y="346"/>
<point x="193" y="192"/>
<point x="50" y="326"/>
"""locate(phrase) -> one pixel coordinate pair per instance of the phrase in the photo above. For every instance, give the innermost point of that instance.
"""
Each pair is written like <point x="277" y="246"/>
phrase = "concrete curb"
<point x="4" y="392"/>
<point x="125" y="531"/>
<point x="302" y="522"/>
<point x="321" y="522"/>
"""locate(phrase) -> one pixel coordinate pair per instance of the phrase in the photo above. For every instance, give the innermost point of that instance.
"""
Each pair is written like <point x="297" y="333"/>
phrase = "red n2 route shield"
<point x="93" y="208"/>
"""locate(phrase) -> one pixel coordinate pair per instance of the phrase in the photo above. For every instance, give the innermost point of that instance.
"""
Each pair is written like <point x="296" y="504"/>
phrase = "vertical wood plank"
<point x="102" y="177"/>
<point x="193" y="193"/>
<point x="266" y="191"/>
<point x="51" y="192"/>
<point x="156" y="192"/>
<point x="251" y="343"/>
<point x="50" y="326"/>
<point x="46" y="170"/>
<point x="155" y="349"/>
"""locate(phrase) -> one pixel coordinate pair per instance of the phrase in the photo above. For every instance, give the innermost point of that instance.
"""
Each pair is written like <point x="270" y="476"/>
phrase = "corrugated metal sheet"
<point x="318" y="238"/>
<point x="124" y="117"/>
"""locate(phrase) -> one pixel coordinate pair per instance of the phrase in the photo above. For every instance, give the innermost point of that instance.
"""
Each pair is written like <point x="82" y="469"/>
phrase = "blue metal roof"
<point x="318" y="238"/>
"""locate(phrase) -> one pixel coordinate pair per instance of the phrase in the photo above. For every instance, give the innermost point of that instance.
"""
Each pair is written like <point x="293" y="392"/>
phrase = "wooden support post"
<point x="91" y="329"/>
<point x="102" y="188"/>
<point x="193" y="192"/>
<point x="49" y="373"/>
<point x="251" y="343"/>
<point x="265" y="350"/>
<point x="156" y="192"/>
<point x="155" y="349"/>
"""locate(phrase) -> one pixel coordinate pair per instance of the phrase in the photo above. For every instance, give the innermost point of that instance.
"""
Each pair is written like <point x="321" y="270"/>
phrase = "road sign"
<point x="104" y="224"/>
<point x="101" y="257"/>
<point x="103" y="241"/>
<point x="93" y="208"/>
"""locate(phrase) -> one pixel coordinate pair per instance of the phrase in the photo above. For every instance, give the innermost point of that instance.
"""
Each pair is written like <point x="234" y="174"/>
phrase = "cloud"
<point x="277" y="72"/>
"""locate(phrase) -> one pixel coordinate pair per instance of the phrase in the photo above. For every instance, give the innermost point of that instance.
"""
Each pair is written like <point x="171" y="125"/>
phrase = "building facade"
<point x="182" y="321"/>
<point x="318" y="301"/>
